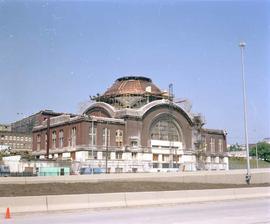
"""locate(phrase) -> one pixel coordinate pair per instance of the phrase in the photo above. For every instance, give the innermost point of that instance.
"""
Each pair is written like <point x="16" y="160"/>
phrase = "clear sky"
<point x="54" y="54"/>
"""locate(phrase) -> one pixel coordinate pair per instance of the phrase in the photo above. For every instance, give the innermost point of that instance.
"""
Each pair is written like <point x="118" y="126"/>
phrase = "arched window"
<point x="165" y="130"/>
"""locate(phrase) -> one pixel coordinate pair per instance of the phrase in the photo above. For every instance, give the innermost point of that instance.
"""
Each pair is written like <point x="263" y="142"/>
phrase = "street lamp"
<point x="242" y="47"/>
<point x="257" y="162"/>
<point x="256" y="152"/>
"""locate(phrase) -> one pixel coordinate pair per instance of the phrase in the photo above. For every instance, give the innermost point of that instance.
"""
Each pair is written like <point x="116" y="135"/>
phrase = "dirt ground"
<point x="9" y="190"/>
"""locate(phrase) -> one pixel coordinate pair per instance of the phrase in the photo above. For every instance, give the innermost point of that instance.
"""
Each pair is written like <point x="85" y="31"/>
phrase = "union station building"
<point x="132" y="127"/>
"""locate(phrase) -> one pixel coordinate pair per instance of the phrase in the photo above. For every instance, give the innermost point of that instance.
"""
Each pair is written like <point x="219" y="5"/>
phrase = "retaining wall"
<point x="258" y="176"/>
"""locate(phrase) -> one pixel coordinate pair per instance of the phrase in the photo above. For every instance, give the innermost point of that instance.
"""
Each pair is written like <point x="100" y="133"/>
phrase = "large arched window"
<point x="165" y="130"/>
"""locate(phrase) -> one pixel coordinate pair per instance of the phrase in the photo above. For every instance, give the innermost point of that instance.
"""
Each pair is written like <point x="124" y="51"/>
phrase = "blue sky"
<point x="54" y="54"/>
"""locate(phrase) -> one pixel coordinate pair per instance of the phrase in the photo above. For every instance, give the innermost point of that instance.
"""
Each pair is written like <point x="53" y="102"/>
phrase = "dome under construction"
<point x="132" y="92"/>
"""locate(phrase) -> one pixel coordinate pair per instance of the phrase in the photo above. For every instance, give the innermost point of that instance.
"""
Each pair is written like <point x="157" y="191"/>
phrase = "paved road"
<point x="256" y="211"/>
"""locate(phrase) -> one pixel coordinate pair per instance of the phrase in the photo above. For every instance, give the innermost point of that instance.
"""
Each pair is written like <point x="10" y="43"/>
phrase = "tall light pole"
<point x="256" y="152"/>
<point x="257" y="162"/>
<point x="242" y="47"/>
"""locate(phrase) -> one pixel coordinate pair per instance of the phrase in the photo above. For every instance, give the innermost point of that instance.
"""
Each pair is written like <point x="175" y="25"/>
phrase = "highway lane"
<point x="255" y="211"/>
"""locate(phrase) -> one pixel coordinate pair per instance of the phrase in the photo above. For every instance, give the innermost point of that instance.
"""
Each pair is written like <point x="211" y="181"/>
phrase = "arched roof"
<point x="107" y="107"/>
<point x="141" y="112"/>
<point x="157" y="103"/>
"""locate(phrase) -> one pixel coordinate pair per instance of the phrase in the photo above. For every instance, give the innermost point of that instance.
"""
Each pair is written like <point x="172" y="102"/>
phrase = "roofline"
<point x="215" y="131"/>
<point x="78" y="119"/>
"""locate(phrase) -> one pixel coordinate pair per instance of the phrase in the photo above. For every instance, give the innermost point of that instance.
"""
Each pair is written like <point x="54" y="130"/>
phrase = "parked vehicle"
<point x="4" y="171"/>
<point x="90" y="170"/>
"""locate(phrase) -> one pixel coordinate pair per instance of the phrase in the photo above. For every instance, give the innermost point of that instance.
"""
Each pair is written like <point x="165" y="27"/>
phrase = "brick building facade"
<point x="13" y="141"/>
<point x="132" y="127"/>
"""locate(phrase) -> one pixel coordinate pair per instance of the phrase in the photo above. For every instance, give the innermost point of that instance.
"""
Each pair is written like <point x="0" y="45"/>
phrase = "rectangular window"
<point x="46" y="140"/>
<point x="119" y="138"/>
<point x="119" y="155"/>
<point x="220" y="145"/>
<point x="38" y="142"/>
<point x="165" y="165"/>
<point x="212" y="145"/>
<point x="134" y="155"/>
<point x="176" y="158"/>
<point x="73" y="136"/>
<point x="134" y="143"/>
<point x="105" y="137"/>
<point x="166" y="158"/>
<point x="94" y="156"/>
<point x="61" y="139"/>
<point x="92" y="134"/>
<point x="54" y="139"/>
<point x="155" y="157"/>
<point x="104" y="155"/>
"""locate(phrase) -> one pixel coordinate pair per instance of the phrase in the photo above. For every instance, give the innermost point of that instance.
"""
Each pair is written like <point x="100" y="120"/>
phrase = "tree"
<point x="263" y="151"/>
<point x="235" y="147"/>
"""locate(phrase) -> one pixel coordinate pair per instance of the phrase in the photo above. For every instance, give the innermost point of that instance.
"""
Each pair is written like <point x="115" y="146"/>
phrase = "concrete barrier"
<point x="209" y="195"/>
<point x="263" y="177"/>
<point x="174" y="197"/>
<point x="107" y="200"/>
<point x="66" y="202"/>
<point x="128" y="199"/>
<point x="143" y="198"/>
<point x="256" y="192"/>
<point x="24" y="204"/>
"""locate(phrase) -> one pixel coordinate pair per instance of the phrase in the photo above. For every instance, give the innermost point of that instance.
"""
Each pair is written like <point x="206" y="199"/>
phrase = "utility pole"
<point x="106" y="143"/>
<point x="48" y="138"/>
<point x="92" y="130"/>
<point x="242" y="47"/>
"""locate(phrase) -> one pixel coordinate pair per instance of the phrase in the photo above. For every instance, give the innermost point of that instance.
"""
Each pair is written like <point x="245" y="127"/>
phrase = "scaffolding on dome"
<point x="131" y="92"/>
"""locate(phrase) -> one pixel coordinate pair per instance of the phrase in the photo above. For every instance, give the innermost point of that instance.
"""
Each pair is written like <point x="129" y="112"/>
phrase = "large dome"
<point x="131" y="92"/>
<point x="132" y="85"/>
